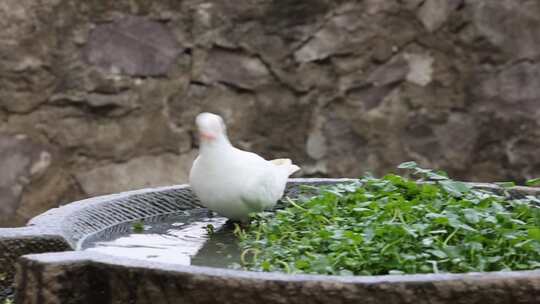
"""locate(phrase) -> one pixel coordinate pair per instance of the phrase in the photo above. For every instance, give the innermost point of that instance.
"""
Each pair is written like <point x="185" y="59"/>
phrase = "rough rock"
<point x="342" y="87"/>
<point x="236" y="69"/>
<point x="117" y="138"/>
<point x="328" y="41"/>
<point x="391" y="72"/>
<point x="140" y="172"/>
<point x="316" y="145"/>
<point x="56" y="187"/>
<point x="21" y="159"/>
<point x="420" y="68"/>
<point x="513" y="88"/>
<point x="237" y="108"/>
<point x="512" y="26"/>
<point x="434" y="13"/>
<point x="133" y="46"/>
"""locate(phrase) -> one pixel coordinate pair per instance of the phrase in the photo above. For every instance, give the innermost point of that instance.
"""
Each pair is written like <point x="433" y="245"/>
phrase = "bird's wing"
<point x="263" y="189"/>
<point x="246" y="156"/>
<point x="266" y="180"/>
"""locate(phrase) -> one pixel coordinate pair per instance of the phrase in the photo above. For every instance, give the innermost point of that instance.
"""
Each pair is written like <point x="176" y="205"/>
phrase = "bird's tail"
<point x="286" y="162"/>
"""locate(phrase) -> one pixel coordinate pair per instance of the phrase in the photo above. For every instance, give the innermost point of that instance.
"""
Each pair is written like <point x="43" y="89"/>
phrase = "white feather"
<point x="232" y="182"/>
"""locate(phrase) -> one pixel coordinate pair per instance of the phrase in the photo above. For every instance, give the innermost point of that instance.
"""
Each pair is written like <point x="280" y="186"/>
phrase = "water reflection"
<point x="179" y="239"/>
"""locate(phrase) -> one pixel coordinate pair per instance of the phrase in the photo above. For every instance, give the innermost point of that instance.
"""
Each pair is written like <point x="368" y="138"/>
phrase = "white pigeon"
<point x="230" y="181"/>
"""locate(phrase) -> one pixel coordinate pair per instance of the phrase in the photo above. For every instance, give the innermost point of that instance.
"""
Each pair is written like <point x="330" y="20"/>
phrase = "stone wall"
<point x="99" y="96"/>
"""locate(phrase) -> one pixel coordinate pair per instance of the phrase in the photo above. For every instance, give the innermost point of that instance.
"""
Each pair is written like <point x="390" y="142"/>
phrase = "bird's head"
<point x="211" y="127"/>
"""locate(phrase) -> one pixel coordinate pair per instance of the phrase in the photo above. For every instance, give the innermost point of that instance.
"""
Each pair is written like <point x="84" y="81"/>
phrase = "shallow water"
<point x="181" y="238"/>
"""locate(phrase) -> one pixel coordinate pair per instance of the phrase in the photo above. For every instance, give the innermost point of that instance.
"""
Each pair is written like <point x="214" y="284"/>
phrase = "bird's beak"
<point x="207" y="136"/>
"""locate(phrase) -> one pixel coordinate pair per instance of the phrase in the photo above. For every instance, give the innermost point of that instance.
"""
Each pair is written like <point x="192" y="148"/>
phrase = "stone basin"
<point x="49" y="269"/>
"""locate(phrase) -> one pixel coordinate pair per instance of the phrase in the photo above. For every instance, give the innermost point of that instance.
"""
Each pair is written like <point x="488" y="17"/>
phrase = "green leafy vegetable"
<point x="533" y="182"/>
<point x="210" y="229"/>
<point x="137" y="227"/>
<point x="506" y="184"/>
<point x="394" y="225"/>
<point x="408" y="165"/>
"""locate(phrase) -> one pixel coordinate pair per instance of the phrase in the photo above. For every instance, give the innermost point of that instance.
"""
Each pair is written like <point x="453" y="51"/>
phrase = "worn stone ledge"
<point x="83" y="277"/>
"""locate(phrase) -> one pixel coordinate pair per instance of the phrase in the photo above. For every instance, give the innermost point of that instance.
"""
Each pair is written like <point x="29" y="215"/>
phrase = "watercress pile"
<point x="394" y="225"/>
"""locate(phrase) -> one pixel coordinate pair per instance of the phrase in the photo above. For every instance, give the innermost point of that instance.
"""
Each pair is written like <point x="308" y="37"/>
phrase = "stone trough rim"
<point x="46" y="225"/>
<point x="69" y="257"/>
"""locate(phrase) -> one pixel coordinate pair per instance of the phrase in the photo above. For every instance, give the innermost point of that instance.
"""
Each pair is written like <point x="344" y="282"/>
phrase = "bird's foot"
<point x="231" y="224"/>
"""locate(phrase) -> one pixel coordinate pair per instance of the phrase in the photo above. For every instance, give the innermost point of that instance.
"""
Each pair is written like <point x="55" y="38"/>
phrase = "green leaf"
<point x="506" y="184"/>
<point x="438" y="253"/>
<point x="440" y="231"/>
<point x="137" y="227"/>
<point x="369" y="233"/>
<point x="475" y="246"/>
<point x="436" y="176"/>
<point x="210" y="229"/>
<point x="346" y="272"/>
<point x="534" y="233"/>
<point x="533" y="199"/>
<point x="467" y="227"/>
<point x="494" y="259"/>
<point x="408" y="165"/>
<point x="533" y="182"/>
<point x="490" y="219"/>
<point x="427" y="241"/>
<point x="266" y="266"/>
<point x="410" y="231"/>
<point x="442" y="220"/>
<point x="454" y="187"/>
<point x="471" y="216"/>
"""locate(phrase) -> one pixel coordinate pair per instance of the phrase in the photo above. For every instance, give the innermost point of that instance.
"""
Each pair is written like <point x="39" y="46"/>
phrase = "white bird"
<point x="230" y="181"/>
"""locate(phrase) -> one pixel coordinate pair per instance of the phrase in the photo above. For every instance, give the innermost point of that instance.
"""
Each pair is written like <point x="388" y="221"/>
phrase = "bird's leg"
<point x="242" y="223"/>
